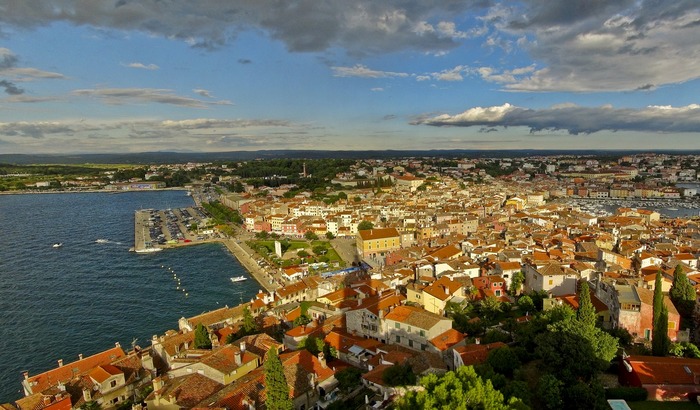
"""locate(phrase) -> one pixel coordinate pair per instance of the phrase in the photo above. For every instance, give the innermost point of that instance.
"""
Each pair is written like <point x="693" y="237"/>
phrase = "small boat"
<point x="102" y="240"/>
<point x="238" y="279"/>
<point x="57" y="245"/>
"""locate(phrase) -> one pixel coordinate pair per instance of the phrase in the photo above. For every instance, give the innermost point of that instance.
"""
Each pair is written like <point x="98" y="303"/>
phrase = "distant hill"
<point x="181" y="157"/>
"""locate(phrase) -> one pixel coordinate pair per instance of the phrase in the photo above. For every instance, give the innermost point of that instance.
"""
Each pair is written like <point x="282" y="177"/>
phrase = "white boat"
<point x="57" y="245"/>
<point x="102" y="240"/>
<point x="238" y="279"/>
<point x="149" y="250"/>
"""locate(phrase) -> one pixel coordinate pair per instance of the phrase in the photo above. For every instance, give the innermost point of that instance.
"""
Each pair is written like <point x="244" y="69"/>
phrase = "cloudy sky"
<point x="83" y="76"/>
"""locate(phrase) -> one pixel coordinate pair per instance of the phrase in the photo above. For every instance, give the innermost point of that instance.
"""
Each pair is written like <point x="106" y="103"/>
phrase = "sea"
<point x="85" y="296"/>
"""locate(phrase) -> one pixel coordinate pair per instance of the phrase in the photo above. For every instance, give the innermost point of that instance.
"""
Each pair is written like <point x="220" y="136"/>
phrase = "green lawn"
<point x="662" y="405"/>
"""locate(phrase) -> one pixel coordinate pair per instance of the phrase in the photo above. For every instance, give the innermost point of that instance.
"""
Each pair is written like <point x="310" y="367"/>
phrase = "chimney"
<point x="117" y="344"/>
<point x="80" y="356"/>
<point x="46" y="400"/>
<point x="477" y="341"/>
<point x="87" y="395"/>
<point x="322" y="359"/>
<point x="237" y="358"/>
<point x="157" y="384"/>
<point x="26" y="375"/>
<point x="359" y="302"/>
<point x="60" y="362"/>
<point x="242" y="346"/>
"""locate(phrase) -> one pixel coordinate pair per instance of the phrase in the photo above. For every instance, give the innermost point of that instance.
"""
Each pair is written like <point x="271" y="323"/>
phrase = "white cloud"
<point x="360" y="70"/>
<point x="576" y="119"/>
<point x="119" y="96"/>
<point x="142" y="66"/>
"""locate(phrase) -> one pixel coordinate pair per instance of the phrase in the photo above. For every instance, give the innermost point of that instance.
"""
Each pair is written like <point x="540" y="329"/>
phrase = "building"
<point x="376" y="243"/>
<point x="414" y="327"/>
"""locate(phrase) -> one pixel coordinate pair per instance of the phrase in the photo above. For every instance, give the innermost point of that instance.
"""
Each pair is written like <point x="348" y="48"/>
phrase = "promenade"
<point x="250" y="264"/>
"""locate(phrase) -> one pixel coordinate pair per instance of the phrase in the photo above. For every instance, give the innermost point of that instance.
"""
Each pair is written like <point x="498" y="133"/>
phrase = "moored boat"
<point x="238" y="278"/>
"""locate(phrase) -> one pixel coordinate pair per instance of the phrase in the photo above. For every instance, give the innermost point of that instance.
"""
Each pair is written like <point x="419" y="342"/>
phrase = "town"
<point x="550" y="282"/>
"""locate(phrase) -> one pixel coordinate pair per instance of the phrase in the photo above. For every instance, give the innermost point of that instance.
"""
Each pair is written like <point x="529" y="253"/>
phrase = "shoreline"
<point x="92" y="191"/>
<point x="243" y="257"/>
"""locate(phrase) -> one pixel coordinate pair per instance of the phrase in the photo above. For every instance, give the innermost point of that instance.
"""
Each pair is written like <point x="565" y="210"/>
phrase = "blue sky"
<point x="84" y="76"/>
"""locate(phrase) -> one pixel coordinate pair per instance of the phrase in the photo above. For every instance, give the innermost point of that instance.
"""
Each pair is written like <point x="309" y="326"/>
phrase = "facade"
<point x="413" y="327"/>
<point x="375" y="243"/>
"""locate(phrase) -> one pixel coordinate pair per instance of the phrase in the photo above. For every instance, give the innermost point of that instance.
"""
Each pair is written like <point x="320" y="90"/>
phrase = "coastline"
<point x="91" y="191"/>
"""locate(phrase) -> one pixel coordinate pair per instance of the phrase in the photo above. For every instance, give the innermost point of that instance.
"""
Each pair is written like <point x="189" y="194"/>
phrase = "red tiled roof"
<point x="665" y="370"/>
<point x="476" y="354"/>
<point x="447" y="339"/>
<point x="43" y="381"/>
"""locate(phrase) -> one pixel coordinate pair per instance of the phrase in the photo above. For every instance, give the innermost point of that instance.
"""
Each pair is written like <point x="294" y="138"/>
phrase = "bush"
<point x="626" y="393"/>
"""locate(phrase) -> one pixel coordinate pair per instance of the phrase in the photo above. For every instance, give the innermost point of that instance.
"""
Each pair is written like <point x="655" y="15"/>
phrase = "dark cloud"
<point x="7" y="58"/>
<point x="33" y="130"/>
<point x="11" y="88"/>
<point x="119" y="96"/>
<point x="575" y="119"/>
<point x="389" y="117"/>
<point x="244" y="61"/>
<point x="362" y="26"/>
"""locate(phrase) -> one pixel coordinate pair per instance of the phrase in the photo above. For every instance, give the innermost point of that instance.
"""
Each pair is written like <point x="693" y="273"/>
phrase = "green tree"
<point x="348" y="378"/>
<point x="329" y="235"/>
<point x="302" y="253"/>
<point x="399" y="375"/>
<point x="461" y="389"/>
<point x="320" y="250"/>
<point x="277" y="389"/>
<point x="549" y="392"/>
<point x="310" y="236"/>
<point x="490" y="307"/>
<point x="586" y="312"/>
<point x="503" y="360"/>
<point x="249" y="326"/>
<point x="660" y="343"/>
<point x="365" y="225"/>
<point x="682" y="293"/>
<point x="526" y="304"/>
<point x="516" y="282"/>
<point x="201" y="337"/>
<point x="90" y="405"/>
<point x="301" y="320"/>
<point x="658" y="297"/>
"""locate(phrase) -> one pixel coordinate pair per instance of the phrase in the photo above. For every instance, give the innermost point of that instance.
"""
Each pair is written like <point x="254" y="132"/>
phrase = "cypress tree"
<point x="201" y="337"/>
<point x="658" y="297"/>
<point x="276" y="383"/>
<point x="682" y="293"/>
<point x="660" y="343"/>
<point x="586" y="312"/>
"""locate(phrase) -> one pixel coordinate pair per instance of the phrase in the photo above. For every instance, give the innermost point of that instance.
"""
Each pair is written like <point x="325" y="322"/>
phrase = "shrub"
<point x="626" y="393"/>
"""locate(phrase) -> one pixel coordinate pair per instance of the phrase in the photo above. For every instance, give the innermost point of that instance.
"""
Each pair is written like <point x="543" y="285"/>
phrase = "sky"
<point x="119" y="76"/>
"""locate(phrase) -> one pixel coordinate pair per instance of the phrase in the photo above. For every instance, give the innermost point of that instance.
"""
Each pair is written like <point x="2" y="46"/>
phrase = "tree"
<point x="348" y="378"/>
<point x="586" y="312"/>
<point x="90" y="405"/>
<point x="658" y="297"/>
<point x="301" y="320"/>
<point x="276" y="383"/>
<point x="310" y="236"/>
<point x="526" y="304"/>
<point x="201" y="337"/>
<point x="503" y="360"/>
<point x="399" y="375"/>
<point x="549" y="392"/>
<point x="249" y="326"/>
<point x="329" y="235"/>
<point x="516" y="282"/>
<point x="365" y="225"/>
<point x="302" y="253"/>
<point x="320" y="250"/>
<point x="459" y="389"/>
<point x="682" y="293"/>
<point x="660" y="343"/>
<point x="490" y="307"/>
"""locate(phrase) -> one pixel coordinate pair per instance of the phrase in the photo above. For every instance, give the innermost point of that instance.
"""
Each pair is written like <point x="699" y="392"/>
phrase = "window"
<point x="410" y="343"/>
<point x="409" y="329"/>
<point x="671" y="325"/>
<point x="398" y="339"/>
<point x="647" y="334"/>
<point x="423" y="346"/>
<point x="422" y="333"/>
<point x="113" y="383"/>
<point x="397" y="325"/>
<point x="551" y="282"/>
<point x="498" y="292"/>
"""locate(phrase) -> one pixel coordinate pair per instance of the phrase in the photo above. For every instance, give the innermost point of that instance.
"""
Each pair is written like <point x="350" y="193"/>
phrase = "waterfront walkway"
<point x="250" y="264"/>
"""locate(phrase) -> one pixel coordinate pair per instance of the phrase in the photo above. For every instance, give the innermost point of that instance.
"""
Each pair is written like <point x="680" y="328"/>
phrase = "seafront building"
<point x="438" y="240"/>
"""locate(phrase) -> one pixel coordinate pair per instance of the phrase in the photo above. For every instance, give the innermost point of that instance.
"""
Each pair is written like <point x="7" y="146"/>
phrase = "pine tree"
<point x="276" y="383"/>
<point x="682" y="293"/>
<point x="658" y="297"/>
<point x="660" y="344"/>
<point x="201" y="337"/>
<point x="586" y="312"/>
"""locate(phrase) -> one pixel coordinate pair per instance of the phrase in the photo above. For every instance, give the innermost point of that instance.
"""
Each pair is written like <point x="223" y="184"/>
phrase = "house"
<point x="180" y="392"/>
<point x="365" y="318"/>
<point x="373" y="243"/>
<point x="413" y="327"/>
<point x="552" y="278"/>
<point x="224" y="365"/>
<point x="664" y="378"/>
<point x="308" y="376"/>
<point x="474" y="354"/>
<point x="436" y="295"/>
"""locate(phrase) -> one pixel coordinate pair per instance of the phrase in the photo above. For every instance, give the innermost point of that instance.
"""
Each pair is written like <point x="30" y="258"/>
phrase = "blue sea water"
<point x="56" y="303"/>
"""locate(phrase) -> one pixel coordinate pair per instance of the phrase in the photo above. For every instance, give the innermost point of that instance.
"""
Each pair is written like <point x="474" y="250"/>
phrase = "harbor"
<point x="156" y="230"/>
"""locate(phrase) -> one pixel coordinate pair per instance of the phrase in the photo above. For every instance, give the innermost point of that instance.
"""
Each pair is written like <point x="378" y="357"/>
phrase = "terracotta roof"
<point x="443" y="288"/>
<point x="379" y="233"/>
<point x="223" y="359"/>
<point x="476" y="354"/>
<point x="665" y="370"/>
<point x="375" y="375"/>
<point x="298" y="366"/>
<point x="189" y="390"/>
<point x="43" y="381"/>
<point x="414" y="316"/>
<point x="104" y="372"/>
<point x="250" y="387"/>
<point x="447" y="339"/>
